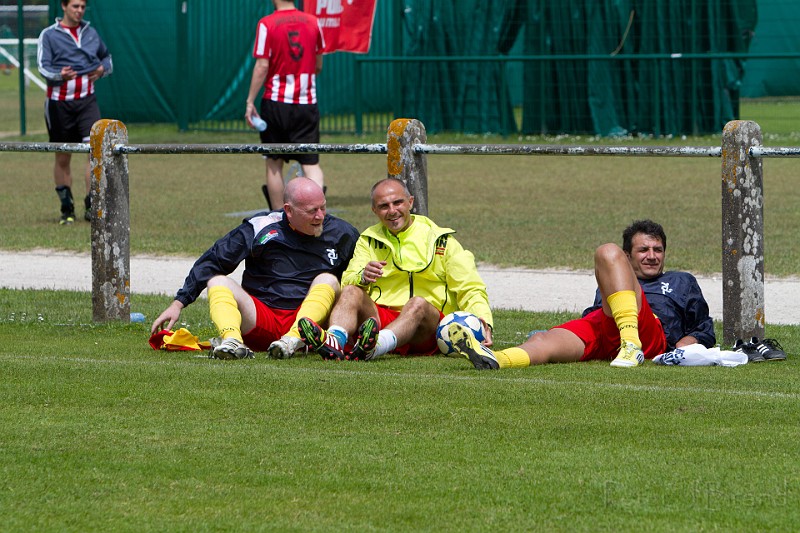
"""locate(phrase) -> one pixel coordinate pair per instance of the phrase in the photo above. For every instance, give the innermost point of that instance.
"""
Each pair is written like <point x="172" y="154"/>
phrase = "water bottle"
<point x="259" y="123"/>
<point x="137" y="317"/>
<point x="295" y="170"/>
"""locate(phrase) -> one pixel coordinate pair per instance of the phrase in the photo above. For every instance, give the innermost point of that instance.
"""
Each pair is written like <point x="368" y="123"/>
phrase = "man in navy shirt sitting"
<point x="640" y="311"/>
<point x="294" y="259"/>
<point x="674" y="296"/>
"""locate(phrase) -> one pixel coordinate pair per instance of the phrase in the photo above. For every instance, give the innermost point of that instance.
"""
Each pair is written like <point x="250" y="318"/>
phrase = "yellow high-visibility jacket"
<point x="424" y="260"/>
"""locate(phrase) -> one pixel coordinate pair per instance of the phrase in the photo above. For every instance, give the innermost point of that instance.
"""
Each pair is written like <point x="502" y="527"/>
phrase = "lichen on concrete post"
<point x="406" y="164"/>
<point x="111" y="280"/>
<point x="742" y="233"/>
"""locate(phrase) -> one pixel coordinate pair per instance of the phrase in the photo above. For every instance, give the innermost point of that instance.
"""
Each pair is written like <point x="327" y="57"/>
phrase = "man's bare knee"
<point x="418" y="305"/>
<point x="220" y="280"/>
<point x="423" y="314"/>
<point x="609" y="253"/>
<point x="327" y="279"/>
<point x="353" y="292"/>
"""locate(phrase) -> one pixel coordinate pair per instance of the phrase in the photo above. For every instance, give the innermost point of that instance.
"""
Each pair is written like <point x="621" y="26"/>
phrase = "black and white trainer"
<point x="749" y="349"/>
<point x="769" y="349"/>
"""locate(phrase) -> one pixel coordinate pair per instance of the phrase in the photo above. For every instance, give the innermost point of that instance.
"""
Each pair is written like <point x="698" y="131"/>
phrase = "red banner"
<point x="346" y="24"/>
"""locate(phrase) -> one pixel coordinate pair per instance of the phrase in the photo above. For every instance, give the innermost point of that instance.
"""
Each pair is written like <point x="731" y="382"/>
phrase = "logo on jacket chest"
<point x="665" y="288"/>
<point x="332" y="256"/>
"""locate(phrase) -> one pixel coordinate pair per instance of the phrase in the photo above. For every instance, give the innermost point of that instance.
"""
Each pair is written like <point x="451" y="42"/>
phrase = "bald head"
<point x="302" y="189"/>
<point x="392" y="183"/>
<point x="304" y="205"/>
<point x="392" y="204"/>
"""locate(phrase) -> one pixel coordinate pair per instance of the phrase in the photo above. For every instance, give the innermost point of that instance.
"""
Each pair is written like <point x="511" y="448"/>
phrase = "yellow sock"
<point x="316" y="306"/>
<point x="626" y="315"/>
<point x="512" y="358"/>
<point x="224" y="312"/>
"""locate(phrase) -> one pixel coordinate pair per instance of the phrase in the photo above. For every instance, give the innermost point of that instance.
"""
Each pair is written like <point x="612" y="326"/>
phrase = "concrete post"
<point x="405" y="164"/>
<point x="742" y="233"/>
<point x="111" y="260"/>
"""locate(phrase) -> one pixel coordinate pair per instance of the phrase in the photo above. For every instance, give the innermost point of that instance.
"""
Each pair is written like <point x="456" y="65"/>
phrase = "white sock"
<point x="386" y="342"/>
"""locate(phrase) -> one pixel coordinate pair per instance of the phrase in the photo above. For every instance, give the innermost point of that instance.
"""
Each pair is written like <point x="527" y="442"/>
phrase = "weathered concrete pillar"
<point x="405" y="164"/>
<point x="111" y="256"/>
<point x="742" y="233"/>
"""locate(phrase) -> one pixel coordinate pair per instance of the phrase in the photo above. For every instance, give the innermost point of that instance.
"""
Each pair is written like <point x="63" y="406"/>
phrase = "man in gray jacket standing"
<point x="71" y="57"/>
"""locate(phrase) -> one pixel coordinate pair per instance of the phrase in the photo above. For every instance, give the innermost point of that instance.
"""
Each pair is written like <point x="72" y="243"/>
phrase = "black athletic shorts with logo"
<point x="291" y="123"/>
<point x="71" y="121"/>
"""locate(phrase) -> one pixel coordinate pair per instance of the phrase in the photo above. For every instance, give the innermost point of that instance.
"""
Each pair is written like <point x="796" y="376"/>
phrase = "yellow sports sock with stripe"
<point x="626" y="315"/>
<point x="512" y="358"/>
<point x="225" y="313"/>
<point x="316" y="306"/>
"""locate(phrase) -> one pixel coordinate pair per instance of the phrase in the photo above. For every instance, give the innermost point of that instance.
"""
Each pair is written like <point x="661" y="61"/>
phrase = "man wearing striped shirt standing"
<point x="288" y="54"/>
<point x="71" y="57"/>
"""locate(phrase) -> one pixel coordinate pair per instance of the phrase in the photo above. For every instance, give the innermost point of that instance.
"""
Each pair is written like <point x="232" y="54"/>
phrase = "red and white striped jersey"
<point x="82" y="49"/>
<point x="291" y="40"/>
<point x="75" y="89"/>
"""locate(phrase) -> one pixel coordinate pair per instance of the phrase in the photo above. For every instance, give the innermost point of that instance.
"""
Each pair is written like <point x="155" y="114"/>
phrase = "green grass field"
<point x="533" y="211"/>
<point x="99" y="432"/>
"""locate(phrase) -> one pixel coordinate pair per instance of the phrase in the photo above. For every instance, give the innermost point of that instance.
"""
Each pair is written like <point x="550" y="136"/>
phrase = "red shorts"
<point x="271" y="325"/>
<point x="600" y="334"/>
<point x="386" y="316"/>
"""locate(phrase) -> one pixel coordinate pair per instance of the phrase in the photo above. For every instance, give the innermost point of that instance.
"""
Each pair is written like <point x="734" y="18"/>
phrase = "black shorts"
<point x="71" y="121"/>
<point x="291" y="123"/>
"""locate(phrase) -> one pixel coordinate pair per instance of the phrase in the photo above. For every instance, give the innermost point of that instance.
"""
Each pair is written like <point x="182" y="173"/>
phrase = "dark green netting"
<point x="776" y="33"/>
<point x="613" y="97"/>
<point x="468" y="96"/>
<point x="171" y="67"/>
<point x="159" y="78"/>
<point x="142" y="42"/>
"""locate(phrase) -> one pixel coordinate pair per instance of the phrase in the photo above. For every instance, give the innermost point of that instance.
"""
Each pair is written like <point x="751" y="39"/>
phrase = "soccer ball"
<point x="468" y="320"/>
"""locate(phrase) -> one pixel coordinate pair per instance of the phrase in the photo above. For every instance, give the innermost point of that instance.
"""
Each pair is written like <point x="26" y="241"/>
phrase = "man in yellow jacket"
<point x="405" y="275"/>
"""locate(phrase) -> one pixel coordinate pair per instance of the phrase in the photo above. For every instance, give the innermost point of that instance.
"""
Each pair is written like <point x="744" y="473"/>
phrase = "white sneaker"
<point x="629" y="355"/>
<point x="231" y="349"/>
<point x="286" y="347"/>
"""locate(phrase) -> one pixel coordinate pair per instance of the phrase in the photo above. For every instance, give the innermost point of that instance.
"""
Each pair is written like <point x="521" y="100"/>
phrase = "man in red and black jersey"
<point x="288" y="52"/>
<point x="71" y="57"/>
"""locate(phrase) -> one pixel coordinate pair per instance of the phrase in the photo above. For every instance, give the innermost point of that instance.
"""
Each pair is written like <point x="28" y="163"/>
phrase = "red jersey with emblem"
<point x="291" y="40"/>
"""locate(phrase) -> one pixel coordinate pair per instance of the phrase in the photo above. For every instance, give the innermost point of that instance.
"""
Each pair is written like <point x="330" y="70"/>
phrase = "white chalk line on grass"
<point x="444" y="377"/>
<point x="553" y="382"/>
